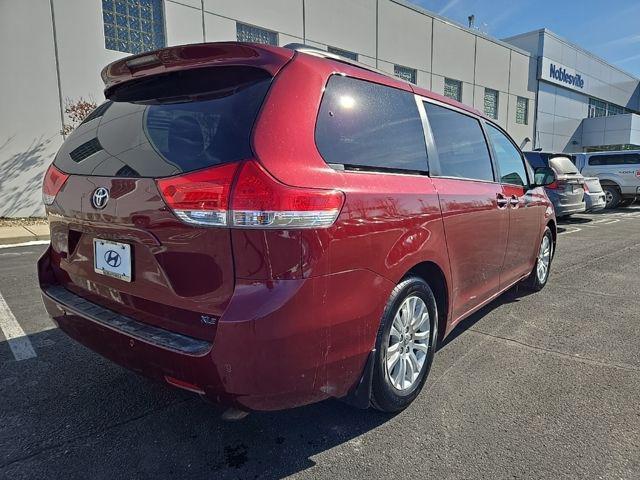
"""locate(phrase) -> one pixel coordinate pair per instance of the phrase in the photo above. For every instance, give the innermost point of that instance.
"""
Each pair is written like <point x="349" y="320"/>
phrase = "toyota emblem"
<point x="100" y="198"/>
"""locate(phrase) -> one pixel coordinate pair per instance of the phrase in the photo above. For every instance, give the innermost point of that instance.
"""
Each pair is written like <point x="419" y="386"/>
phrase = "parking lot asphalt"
<point x="542" y="385"/>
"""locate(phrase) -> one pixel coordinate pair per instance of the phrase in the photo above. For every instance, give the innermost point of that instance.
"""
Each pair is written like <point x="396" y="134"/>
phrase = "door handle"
<point x="514" y="201"/>
<point x="501" y="201"/>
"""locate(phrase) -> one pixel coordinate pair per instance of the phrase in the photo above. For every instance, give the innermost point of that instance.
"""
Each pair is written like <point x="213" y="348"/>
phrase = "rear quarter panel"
<point x="389" y="223"/>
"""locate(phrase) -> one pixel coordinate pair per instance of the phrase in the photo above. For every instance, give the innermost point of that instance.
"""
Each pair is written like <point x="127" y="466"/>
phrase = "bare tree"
<point x="76" y="112"/>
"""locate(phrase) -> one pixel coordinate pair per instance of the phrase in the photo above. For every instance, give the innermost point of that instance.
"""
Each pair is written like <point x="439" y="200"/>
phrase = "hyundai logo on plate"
<point x="100" y="198"/>
<point x="112" y="258"/>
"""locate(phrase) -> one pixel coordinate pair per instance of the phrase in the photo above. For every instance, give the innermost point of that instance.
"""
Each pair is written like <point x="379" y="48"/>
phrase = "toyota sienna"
<point x="270" y="227"/>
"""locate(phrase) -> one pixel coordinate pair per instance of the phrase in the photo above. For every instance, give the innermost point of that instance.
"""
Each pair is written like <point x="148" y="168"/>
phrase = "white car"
<point x="618" y="172"/>
<point x="594" y="196"/>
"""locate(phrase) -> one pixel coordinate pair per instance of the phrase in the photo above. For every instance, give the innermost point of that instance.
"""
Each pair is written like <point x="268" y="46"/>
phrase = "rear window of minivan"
<point x="369" y="126"/>
<point x="171" y="124"/>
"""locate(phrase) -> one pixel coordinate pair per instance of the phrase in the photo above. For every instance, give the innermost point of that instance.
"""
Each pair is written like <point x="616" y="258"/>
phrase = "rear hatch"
<point x="115" y="241"/>
<point x="569" y="184"/>
<point x="592" y="185"/>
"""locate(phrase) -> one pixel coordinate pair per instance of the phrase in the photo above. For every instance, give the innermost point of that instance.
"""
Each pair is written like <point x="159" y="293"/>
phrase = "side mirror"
<point x="544" y="176"/>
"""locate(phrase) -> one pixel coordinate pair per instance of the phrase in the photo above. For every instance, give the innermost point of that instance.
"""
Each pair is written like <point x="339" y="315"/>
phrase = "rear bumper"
<point x="279" y="344"/>
<point x="564" y="210"/>
<point x="594" y="201"/>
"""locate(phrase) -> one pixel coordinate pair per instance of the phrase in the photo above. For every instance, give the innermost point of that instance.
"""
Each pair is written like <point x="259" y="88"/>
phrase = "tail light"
<point x="53" y="181"/>
<point x="554" y="185"/>
<point x="586" y="188"/>
<point x="254" y="200"/>
<point x="201" y="197"/>
<point x="259" y="200"/>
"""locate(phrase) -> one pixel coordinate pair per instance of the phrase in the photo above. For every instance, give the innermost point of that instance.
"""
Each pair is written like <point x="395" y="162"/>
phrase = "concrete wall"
<point x="30" y="110"/>
<point x="613" y="130"/>
<point x="560" y="114"/>
<point x="397" y="33"/>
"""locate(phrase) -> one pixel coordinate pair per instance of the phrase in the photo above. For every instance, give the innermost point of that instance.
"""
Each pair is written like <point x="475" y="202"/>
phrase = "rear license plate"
<point x="112" y="259"/>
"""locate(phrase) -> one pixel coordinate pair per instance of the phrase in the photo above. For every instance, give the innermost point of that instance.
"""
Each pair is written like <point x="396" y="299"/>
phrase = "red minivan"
<point x="270" y="227"/>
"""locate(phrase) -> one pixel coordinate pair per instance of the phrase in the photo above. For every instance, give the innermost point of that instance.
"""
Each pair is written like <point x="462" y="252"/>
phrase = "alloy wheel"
<point x="408" y="343"/>
<point x="544" y="259"/>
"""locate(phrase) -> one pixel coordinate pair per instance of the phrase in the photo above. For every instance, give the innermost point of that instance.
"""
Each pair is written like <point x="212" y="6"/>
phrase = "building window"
<point x="453" y="89"/>
<point x="491" y="103"/>
<point x="405" y="73"/>
<point x="133" y="26"/>
<point x="522" y="111"/>
<point x="343" y="53"/>
<point x="614" y="109"/>
<point x="600" y="108"/>
<point x="249" y="33"/>
<point x="597" y="108"/>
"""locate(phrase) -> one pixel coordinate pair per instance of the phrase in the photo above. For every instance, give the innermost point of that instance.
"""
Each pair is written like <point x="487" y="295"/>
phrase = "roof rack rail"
<point x="318" y="52"/>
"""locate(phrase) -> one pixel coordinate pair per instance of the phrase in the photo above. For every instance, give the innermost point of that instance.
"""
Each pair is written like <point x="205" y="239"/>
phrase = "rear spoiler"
<point x="187" y="57"/>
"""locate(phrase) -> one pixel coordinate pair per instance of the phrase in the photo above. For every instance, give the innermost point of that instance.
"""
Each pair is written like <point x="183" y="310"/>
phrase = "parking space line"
<point x="18" y="341"/>
<point x="575" y="229"/>
<point x="25" y="244"/>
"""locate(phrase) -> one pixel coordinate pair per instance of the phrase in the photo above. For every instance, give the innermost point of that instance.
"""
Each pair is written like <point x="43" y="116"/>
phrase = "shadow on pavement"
<point x="513" y="295"/>
<point x="71" y="414"/>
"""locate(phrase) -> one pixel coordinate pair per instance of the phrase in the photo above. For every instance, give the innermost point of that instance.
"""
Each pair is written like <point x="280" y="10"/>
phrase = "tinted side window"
<point x="365" y="124"/>
<point x="626" y="159"/>
<point x="508" y="157"/>
<point x="462" y="148"/>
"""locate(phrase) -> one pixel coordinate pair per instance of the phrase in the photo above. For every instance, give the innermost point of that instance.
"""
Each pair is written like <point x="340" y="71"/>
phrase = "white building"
<point x="54" y="50"/>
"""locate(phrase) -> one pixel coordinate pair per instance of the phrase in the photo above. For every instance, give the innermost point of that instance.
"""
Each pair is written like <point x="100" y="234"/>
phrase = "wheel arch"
<point x="554" y="231"/>
<point x="431" y="273"/>
<point x="609" y="182"/>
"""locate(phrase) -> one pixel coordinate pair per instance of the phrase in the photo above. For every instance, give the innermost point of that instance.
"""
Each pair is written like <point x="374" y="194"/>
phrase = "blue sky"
<point x="608" y="28"/>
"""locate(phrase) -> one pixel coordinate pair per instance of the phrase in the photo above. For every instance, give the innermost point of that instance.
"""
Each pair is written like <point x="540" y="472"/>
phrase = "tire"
<point x="385" y="395"/>
<point x="612" y="196"/>
<point x="538" y="278"/>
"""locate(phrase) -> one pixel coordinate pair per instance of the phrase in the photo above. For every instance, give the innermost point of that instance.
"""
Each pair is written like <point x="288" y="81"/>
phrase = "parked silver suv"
<point x="567" y="191"/>
<point x="619" y="174"/>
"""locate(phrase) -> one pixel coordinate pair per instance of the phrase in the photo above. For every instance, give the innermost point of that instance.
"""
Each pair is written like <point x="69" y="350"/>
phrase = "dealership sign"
<point x="560" y="73"/>
<point x="554" y="72"/>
